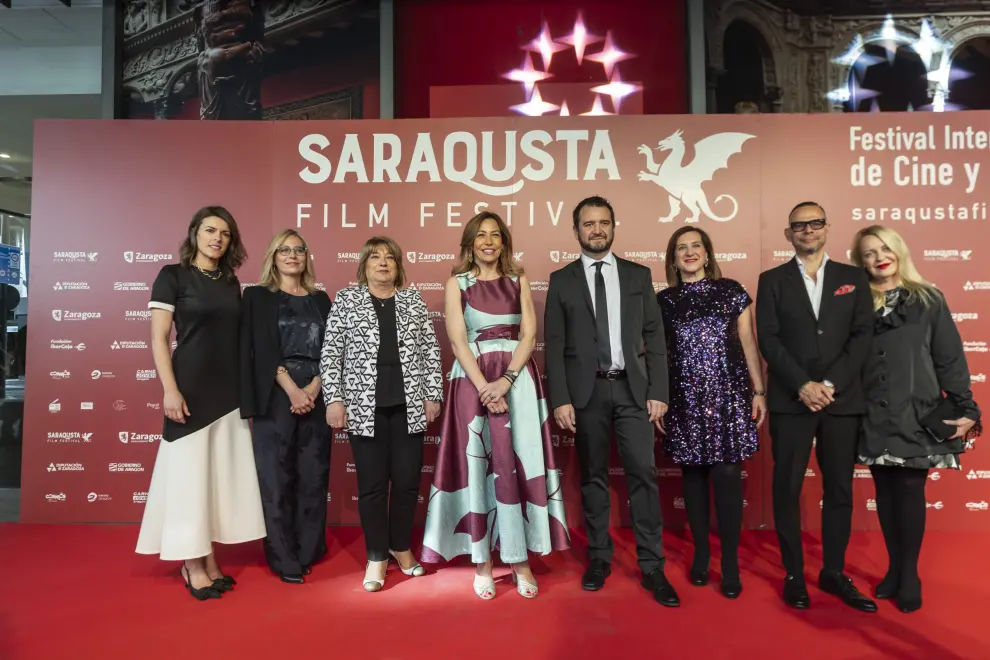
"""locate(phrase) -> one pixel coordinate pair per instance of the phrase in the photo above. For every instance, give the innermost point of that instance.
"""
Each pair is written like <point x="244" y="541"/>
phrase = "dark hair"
<point x="712" y="271"/>
<point x="596" y="202"/>
<point x="507" y="265"/>
<point x="802" y="205"/>
<point x="231" y="259"/>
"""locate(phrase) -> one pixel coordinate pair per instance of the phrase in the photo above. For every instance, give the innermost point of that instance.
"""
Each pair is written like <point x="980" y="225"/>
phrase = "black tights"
<point x="901" y="508"/>
<point x="726" y="479"/>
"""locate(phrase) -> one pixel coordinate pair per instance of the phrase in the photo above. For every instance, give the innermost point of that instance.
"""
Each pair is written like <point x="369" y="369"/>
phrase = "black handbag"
<point x="933" y="424"/>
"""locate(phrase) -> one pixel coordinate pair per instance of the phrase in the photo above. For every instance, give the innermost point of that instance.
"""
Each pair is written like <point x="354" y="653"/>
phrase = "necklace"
<point x="382" y="301"/>
<point x="212" y="277"/>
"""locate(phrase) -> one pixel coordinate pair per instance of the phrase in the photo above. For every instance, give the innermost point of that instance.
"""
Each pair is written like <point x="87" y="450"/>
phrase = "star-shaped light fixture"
<point x="527" y="75"/>
<point x="617" y="89"/>
<point x="927" y="45"/>
<point x="609" y="55"/>
<point x="545" y="46"/>
<point x="579" y="38"/>
<point x="596" y="110"/>
<point x="535" y="106"/>
<point x="564" y="112"/>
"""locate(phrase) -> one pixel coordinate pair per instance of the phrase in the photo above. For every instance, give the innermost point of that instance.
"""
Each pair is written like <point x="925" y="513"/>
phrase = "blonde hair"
<point x="270" y="278"/>
<point x="507" y="264"/>
<point x="917" y="287"/>
<point x="370" y="247"/>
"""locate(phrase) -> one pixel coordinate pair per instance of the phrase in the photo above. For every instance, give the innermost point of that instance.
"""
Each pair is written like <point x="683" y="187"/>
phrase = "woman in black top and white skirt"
<point x="283" y="323"/>
<point x="910" y="427"/>
<point x="382" y="382"/>
<point x="204" y="488"/>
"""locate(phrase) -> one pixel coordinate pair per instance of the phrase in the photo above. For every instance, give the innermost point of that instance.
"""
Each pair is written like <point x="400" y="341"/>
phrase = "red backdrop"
<point x="103" y="226"/>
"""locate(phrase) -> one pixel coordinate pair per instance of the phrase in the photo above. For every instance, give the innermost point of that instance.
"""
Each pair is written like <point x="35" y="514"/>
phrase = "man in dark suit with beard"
<point x="814" y="319"/>
<point x="606" y="366"/>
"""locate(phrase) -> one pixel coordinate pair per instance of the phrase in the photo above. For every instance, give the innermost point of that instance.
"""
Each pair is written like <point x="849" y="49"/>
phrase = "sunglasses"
<point x="285" y="250"/>
<point x="800" y="227"/>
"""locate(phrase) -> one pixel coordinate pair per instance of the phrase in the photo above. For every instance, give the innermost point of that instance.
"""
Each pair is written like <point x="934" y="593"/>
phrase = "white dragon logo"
<point x="683" y="182"/>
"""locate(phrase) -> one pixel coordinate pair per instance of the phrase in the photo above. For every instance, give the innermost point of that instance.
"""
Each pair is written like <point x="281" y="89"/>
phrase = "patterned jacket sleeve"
<point x="429" y="354"/>
<point x="332" y="355"/>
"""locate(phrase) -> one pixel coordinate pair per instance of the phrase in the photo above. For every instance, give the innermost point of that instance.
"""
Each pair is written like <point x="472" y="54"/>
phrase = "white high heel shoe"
<point x="374" y="585"/>
<point x="484" y="587"/>
<point x="415" y="571"/>
<point x="523" y="588"/>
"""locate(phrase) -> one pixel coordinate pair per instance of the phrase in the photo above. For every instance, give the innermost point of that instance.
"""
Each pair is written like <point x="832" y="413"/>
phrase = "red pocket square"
<point x="843" y="290"/>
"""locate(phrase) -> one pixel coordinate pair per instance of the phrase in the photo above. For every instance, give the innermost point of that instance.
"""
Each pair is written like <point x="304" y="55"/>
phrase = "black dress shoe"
<point x="908" y="596"/>
<point x="887" y="588"/>
<point x="731" y="588"/>
<point x="306" y="570"/>
<point x="840" y="585"/>
<point x="699" y="578"/>
<point x="290" y="578"/>
<point x="662" y="590"/>
<point x="796" y="593"/>
<point x="594" y="577"/>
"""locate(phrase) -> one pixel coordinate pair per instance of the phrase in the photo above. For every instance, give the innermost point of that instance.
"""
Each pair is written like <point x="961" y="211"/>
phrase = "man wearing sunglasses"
<point x="814" y="317"/>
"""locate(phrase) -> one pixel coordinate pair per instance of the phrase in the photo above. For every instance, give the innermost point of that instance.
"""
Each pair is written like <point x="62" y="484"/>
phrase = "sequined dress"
<point x="496" y="486"/>
<point x="710" y="416"/>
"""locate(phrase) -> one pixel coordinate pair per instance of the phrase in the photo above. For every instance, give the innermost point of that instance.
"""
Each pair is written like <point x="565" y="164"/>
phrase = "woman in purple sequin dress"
<point x="717" y="400"/>
<point x="496" y="487"/>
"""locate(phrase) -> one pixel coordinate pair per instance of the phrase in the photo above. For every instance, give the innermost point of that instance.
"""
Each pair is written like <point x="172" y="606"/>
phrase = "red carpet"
<point x="79" y="591"/>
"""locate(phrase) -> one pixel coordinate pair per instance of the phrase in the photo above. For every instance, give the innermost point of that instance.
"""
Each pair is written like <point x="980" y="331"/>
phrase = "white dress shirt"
<point x="814" y="286"/>
<point x="612" y="292"/>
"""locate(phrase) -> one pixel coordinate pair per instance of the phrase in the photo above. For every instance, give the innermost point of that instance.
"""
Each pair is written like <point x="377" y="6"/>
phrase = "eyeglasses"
<point x="285" y="250"/>
<point x="800" y="227"/>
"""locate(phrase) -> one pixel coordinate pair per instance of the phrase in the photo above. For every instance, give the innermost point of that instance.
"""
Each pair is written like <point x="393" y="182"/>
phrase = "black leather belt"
<point x="612" y="374"/>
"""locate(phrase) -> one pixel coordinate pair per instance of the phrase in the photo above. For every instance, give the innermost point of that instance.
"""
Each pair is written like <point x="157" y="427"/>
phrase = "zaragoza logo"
<point x="683" y="181"/>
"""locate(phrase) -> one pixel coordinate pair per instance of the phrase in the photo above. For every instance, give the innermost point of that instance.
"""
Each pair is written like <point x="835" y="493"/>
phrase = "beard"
<point x="588" y="247"/>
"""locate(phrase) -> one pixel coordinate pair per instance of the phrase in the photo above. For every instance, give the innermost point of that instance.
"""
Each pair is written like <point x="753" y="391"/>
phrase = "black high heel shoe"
<point x="224" y="582"/>
<point x="204" y="593"/>
<point x="888" y="587"/>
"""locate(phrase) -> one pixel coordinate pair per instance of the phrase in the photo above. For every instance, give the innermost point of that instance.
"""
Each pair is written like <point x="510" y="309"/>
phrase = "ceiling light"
<point x="4" y="155"/>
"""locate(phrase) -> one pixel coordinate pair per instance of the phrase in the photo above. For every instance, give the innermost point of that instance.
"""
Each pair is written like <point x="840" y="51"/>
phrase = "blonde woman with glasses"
<point x="283" y="323"/>
<point x="920" y="413"/>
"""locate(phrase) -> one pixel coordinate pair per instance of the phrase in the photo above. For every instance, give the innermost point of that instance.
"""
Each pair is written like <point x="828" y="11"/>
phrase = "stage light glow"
<point x="580" y="38"/>
<point x="564" y="112"/>
<point x="4" y="156"/>
<point x="610" y="55"/>
<point x="617" y="89"/>
<point x="545" y="46"/>
<point x="527" y="75"/>
<point x="934" y="52"/>
<point x="535" y="106"/>
<point x="597" y="110"/>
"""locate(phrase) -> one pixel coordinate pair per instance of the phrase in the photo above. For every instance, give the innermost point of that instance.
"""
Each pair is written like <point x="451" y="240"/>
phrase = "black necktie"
<point x="601" y="321"/>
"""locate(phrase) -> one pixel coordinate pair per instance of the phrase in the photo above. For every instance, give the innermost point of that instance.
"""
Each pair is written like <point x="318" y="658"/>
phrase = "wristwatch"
<point x="828" y="383"/>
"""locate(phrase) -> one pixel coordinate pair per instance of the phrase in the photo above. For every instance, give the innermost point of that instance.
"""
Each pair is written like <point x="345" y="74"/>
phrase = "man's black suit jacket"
<point x="261" y="347"/>
<point x="570" y="334"/>
<point x="799" y="348"/>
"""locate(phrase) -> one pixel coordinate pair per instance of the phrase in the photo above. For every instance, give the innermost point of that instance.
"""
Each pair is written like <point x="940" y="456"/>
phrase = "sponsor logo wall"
<point x="93" y="408"/>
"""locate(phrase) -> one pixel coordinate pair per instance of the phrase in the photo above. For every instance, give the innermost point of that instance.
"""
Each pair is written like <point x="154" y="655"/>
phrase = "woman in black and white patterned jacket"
<point x="382" y="382"/>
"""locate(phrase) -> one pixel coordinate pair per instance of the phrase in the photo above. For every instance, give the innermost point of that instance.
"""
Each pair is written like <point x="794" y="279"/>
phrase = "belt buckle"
<point x="612" y="374"/>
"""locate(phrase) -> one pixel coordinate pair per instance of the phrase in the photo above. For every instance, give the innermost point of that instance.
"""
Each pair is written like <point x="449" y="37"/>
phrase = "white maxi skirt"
<point x="204" y="490"/>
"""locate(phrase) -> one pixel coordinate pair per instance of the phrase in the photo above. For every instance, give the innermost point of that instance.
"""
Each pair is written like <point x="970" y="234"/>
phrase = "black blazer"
<point x="261" y="349"/>
<point x="917" y="355"/>
<point x="799" y="348"/>
<point x="569" y="331"/>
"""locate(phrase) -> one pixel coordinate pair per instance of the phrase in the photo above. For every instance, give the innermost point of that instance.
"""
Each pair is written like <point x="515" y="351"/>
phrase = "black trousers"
<point x="726" y="481"/>
<point x="613" y="406"/>
<point x="292" y="454"/>
<point x="902" y="509"/>
<point x="835" y="438"/>
<point x="392" y="457"/>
